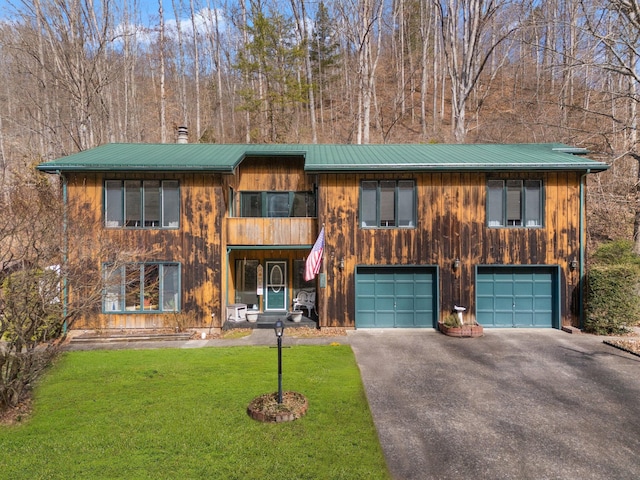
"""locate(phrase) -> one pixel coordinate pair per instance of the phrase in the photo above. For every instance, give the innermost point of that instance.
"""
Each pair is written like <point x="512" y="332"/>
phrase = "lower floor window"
<point x="137" y="287"/>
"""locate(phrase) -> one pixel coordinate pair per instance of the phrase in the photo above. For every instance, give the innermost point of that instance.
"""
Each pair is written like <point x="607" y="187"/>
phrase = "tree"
<point x="272" y="59"/>
<point x="324" y="56"/>
<point x="616" y="27"/>
<point x="470" y="34"/>
<point x="38" y="259"/>
<point x="362" y="24"/>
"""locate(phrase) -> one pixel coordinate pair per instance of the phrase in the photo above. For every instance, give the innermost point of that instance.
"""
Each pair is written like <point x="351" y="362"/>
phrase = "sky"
<point x="148" y="8"/>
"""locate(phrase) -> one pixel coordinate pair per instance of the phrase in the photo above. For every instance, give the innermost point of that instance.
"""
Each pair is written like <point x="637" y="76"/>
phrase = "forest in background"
<point x="80" y="73"/>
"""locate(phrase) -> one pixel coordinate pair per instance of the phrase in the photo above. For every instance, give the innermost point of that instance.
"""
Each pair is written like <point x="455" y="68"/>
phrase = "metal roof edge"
<point x="595" y="167"/>
<point x="48" y="168"/>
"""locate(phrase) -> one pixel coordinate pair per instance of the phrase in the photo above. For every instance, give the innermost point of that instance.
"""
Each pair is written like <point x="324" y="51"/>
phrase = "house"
<point x="410" y="231"/>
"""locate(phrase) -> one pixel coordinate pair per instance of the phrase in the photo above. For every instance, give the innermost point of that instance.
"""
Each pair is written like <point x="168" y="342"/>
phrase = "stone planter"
<point x="471" y="331"/>
<point x="252" y="317"/>
<point x="295" y="316"/>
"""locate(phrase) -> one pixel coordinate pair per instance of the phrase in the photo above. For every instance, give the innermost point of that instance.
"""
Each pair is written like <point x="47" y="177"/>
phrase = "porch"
<point x="267" y="321"/>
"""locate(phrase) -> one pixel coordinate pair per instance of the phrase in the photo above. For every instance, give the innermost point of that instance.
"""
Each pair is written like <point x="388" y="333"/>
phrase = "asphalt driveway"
<point x="514" y="404"/>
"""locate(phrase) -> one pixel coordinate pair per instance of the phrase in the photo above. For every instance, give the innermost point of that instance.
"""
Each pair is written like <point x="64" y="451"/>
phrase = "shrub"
<point x="617" y="252"/>
<point x="612" y="301"/>
<point x="451" y="321"/>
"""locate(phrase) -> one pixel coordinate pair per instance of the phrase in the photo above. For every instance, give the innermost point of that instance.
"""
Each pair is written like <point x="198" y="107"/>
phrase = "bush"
<point x="612" y="301"/>
<point x="30" y="322"/>
<point x="618" y="252"/>
<point x="451" y="321"/>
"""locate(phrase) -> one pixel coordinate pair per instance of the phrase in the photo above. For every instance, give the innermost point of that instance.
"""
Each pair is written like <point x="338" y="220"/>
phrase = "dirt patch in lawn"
<point x="16" y="415"/>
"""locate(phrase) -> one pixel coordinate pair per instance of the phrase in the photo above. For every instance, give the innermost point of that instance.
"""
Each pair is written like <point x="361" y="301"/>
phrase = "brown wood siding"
<point x="451" y="223"/>
<point x="271" y="174"/>
<point x="196" y="245"/>
<point x="270" y="231"/>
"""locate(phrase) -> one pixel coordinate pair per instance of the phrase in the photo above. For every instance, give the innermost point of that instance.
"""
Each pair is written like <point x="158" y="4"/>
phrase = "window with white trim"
<point x="141" y="204"/>
<point x="141" y="287"/>
<point x="514" y="203"/>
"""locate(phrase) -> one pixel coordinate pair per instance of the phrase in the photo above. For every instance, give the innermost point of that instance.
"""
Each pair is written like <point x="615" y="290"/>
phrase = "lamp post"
<point x="279" y="329"/>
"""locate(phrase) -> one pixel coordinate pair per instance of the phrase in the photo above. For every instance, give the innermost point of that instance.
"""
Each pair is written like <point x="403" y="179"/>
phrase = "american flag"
<point x="314" y="260"/>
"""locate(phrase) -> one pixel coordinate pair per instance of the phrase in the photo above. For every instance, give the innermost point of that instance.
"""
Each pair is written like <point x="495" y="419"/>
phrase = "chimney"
<point x="183" y="135"/>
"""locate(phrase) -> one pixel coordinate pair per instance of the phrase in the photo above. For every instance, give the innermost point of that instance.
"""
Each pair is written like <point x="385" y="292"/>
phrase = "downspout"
<point x="65" y="252"/>
<point x="226" y="293"/>
<point x="582" y="252"/>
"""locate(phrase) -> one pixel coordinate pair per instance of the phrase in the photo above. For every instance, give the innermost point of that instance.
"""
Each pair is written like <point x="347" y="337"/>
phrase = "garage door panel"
<point x="523" y="289"/>
<point x="384" y="304"/>
<point x="544" y="304"/>
<point x="423" y="304"/>
<point x="405" y="319"/>
<point x="368" y="289"/>
<point x="403" y="297"/>
<point x="503" y="303"/>
<point x="502" y="319"/>
<point x="522" y="296"/>
<point x="405" y="304"/>
<point x="523" y="304"/>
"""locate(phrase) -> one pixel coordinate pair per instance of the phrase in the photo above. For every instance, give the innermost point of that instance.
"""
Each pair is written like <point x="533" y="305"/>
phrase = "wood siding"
<point x="451" y="224"/>
<point x="196" y="245"/>
<point x="270" y="231"/>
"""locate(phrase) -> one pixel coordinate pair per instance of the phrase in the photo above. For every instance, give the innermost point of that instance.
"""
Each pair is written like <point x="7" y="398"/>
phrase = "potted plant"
<point x="453" y="326"/>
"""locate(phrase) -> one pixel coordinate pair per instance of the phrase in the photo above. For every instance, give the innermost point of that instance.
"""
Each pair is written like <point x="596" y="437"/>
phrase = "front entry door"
<point x="276" y="285"/>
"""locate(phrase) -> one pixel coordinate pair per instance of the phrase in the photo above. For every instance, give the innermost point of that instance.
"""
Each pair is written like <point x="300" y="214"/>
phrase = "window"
<point x="141" y="204"/>
<point x="514" y="203"/>
<point x="387" y="203"/>
<point x="277" y="204"/>
<point x="142" y="287"/>
<point x="247" y="283"/>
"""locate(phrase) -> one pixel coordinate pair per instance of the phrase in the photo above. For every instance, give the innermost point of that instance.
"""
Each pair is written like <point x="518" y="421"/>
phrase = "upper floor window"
<point x="277" y="204"/>
<point x="388" y="203"/>
<point x="141" y="203"/>
<point x="514" y="203"/>
<point x="136" y="287"/>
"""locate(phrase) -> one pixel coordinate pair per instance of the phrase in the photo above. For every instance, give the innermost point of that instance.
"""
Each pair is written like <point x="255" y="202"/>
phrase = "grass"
<point x="157" y="414"/>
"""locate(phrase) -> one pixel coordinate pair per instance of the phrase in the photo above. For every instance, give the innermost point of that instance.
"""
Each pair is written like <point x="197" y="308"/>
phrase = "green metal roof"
<point x="329" y="158"/>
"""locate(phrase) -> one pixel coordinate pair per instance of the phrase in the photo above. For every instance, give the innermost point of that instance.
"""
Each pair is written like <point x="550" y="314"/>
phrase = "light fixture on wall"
<point x="573" y="264"/>
<point x="456" y="264"/>
<point x="341" y="264"/>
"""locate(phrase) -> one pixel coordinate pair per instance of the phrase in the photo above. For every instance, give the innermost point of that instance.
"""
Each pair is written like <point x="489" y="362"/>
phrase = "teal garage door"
<point x="517" y="296"/>
<point x="395" y="297"/>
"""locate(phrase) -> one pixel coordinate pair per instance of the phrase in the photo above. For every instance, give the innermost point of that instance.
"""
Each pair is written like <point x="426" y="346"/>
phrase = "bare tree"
<point x="470" y="33"/>
<point x="616" y="27"/>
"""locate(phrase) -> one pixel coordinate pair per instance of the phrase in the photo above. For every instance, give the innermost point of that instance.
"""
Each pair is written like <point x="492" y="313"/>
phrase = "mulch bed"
<point x="266" y="408"/>
<point x="16" y="415"/>
<point x="630" y="345"/>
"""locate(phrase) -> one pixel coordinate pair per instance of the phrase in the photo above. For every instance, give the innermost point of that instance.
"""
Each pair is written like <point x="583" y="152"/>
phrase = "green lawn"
<point x="181" y="414"/>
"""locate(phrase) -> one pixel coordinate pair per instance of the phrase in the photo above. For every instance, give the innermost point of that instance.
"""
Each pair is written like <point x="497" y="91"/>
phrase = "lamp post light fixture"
<point x="278" y="327"/>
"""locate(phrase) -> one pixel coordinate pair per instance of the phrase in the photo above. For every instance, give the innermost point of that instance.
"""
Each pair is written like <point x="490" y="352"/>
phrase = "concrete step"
<point x="130" y="337"/>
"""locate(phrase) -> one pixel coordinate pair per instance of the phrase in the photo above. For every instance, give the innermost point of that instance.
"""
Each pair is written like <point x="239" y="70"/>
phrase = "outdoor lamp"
<point x="278" y="327"/>
<point x="456" y="264"/>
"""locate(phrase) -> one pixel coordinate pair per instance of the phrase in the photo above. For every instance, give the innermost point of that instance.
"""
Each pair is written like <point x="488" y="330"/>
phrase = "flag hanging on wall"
<point x="314" y="260"/>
